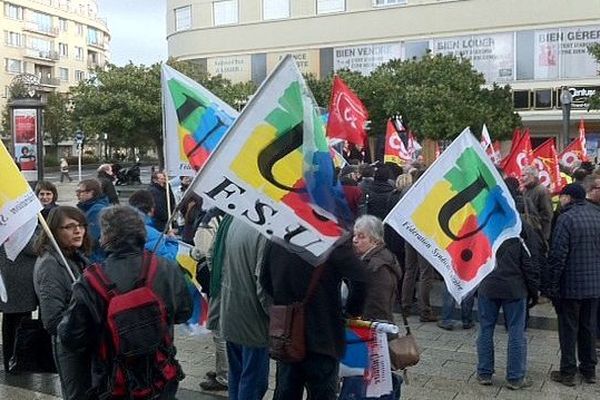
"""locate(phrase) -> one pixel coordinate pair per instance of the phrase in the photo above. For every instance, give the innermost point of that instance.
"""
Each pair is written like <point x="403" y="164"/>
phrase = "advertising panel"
<point x="575" y="61"/>
<point x="25" y="140"/>
<point x="491" y="54"/>
<point x="365" y="58"/>
<point x="235" y="68"/>
<point x="306" y="60"/>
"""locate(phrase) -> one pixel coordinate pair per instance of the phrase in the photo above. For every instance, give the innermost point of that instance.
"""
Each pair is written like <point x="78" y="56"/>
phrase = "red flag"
<point x="519" y="157"/>
<point x="494" y="152"/>
<point x="545" y="160"/>
<point x="517" y="135"/>
<point x="394" y="151"/>
<point x="575" y="151"/>
<point x="486" y="141"/>
<point x="347" y="115"/>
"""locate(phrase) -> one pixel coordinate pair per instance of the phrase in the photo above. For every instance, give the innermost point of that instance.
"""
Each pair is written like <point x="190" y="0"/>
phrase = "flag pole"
<point x="55" y="245"/>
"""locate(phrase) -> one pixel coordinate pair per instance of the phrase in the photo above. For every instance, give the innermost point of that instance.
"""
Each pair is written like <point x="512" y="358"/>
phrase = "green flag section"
<point x="458" y="214"/>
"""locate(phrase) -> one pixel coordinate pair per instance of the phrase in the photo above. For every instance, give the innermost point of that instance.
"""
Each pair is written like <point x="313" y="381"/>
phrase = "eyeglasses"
<point x="79" y="191"/>
<point x="72" y="227"/>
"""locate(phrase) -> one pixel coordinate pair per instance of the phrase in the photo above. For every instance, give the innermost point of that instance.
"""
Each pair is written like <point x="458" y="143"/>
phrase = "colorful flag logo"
<point x="274" y="170"/>
<point x="458" y="214"/>
<point x="195" y="121"/>
<point x="200" y="302"/>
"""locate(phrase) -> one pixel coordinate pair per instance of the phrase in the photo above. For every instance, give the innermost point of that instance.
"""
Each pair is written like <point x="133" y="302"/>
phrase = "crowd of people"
<point x="107" y="251"/>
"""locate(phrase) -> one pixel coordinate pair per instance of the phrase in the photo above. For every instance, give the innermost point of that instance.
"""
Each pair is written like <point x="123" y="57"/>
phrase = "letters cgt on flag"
<point x="458" y="214"/>
<point x="347" y="115"/>
<point x="274" y="171"/>
<point x="195" y="121"/>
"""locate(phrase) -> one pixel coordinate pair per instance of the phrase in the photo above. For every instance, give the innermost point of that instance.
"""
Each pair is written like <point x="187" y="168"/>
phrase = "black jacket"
<point x="83" y="322"/>
<point x="376" y="198"/>
<point x="106" y="181"/>
<point x="286" y="278"/>
<point x="517" y="271"/>
<point x="161" y="213"/>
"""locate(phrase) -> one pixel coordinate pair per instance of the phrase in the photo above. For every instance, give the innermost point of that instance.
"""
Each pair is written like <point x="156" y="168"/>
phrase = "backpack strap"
<point x="148" y="272"/>
<point x="98" y="280"/>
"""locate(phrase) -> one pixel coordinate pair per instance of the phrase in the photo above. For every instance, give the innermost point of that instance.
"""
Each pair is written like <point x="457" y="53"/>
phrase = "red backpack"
<point x="136" y="348"/>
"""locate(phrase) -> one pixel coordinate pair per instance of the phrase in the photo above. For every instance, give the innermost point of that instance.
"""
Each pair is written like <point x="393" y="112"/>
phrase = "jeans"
<point x="354" y="388"/>
<point x="514" y="314"/>
<point x="576" y="325"/>
<point x="466" y="309"/>
<point x="248" y="371"/>
<point x="318" y="373"/>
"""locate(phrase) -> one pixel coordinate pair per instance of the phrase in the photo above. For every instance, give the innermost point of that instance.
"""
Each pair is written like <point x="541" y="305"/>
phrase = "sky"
<point x="137" y="28"/>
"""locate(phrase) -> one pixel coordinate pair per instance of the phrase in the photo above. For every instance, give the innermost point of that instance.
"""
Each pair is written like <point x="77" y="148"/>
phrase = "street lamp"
<point x="105" y="137"/>
<point x="565" y="99"/>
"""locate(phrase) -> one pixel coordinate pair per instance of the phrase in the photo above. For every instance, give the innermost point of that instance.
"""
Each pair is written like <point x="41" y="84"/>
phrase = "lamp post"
<point x="79" y="140"/>
<point x="105" y="137"/>
<point x="565" y="99"/>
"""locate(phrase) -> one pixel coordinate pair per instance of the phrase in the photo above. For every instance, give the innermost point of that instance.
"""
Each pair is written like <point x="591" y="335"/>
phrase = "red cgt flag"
<point x="347" y="115"/>
<point x="518" y="157"/>
<point x="575" y="151"/>
<point x="545" y="159"/>
<point x="395" y="151"/>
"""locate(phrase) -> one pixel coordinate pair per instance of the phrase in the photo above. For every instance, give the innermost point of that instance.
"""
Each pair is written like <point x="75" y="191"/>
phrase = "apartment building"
<point x="535" y="46"/>
<point x="59" y="41"/>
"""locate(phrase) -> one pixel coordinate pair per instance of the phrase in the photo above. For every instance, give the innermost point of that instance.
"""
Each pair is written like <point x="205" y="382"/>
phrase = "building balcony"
<point x="98" y="45"/>
<point x="49" y="81"/>
<point x="44" y="55"/>
<point x="43" y="30"/>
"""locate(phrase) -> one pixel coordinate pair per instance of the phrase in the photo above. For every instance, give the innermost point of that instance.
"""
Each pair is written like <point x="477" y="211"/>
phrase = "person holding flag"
<point x="539" y="196"/>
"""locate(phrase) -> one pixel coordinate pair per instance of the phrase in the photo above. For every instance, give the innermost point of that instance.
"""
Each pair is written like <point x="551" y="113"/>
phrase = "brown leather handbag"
<point x="404" y="351"/>
<point x="287" y="326"/>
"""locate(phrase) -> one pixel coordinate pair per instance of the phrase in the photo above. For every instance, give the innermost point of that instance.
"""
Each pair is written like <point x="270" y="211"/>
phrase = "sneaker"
<point x="211" y="375"/>
<point x="518" y="384"/>
<point x="468" y="325"/>
<point x="428" y="318"/>
<point x="449" y="326"/>
<point x="567" y="380"/>
<point x="212" y="385"/>
<point x="484" y="380"/>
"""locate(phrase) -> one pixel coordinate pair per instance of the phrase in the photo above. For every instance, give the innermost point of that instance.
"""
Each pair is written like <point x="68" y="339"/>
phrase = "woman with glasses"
<point x="52" y="284"/>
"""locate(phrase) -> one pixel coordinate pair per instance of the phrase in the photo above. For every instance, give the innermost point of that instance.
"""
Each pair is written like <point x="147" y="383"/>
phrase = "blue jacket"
<point x="573" y="262"/>
<point x="168" y="246"/>
<point x="91" y="209"/>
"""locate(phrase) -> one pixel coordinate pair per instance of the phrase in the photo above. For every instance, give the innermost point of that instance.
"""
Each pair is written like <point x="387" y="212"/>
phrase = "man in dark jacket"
<point x="574" y="286"/>
<point x="91" y="201"/>
<point x="158" y="188"/>
<point x="540" y="197"/>
<point x="123" y="236"/>
<point x="286" y="277"/>
<point x="378" y="192"/>
<point x="106" y="177"/>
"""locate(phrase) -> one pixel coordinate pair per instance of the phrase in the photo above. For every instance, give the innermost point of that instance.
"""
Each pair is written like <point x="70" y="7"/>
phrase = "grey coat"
<point x="244" y="304"/>
<point x="53" y="286"/>
<point x="18" y="279"/>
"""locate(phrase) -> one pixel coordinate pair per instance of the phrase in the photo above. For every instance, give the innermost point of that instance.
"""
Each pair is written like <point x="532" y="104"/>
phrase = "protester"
<point x="106" y="178"/>
<point x="21" y="299"/>
<point x="540" y="197"/>
<point x="365" y="176"/>
<point x="286" y="277"/>
<point x="211" y="257"/>
<point x="509" y="286"/>
<point x="446" y="321"/>
<point x="383" y="278"/>
<point x="91" y="202"/>
<point x="378" y="192"/>
<point x="158" y="188"/>
<point x="64" y="170"/>
<point x="354" y="195"/>
<point x="592" y="188"/>
<point x="573" y="284"/>
<point x="53" y="286"/>
<point x="162" y="245"/>
<point x="393" y="241"/>
<point x="415" y="263"/>
<point x="84" y="326"/>
<point x="47" y="195"/>
<point x="244" y="317"/>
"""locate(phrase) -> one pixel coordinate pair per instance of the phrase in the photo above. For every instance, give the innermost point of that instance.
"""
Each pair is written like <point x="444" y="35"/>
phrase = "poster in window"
<point x="234" y="68"/>
<point x="306" y="60"/>
<point x="546" y="47"/>
<point x="575" y="61"/>
<point x="366" y="58"/>
<point x="25" y="140"/>
<point x="492" y="55"/>
<point x="25" y="155"/>
<point x="25" y="126"/>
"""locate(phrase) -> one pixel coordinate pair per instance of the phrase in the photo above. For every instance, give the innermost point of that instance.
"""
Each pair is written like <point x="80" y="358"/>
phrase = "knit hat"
<point x="575" y="190"/>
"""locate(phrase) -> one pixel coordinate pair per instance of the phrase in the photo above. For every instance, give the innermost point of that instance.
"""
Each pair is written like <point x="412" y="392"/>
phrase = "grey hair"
<point x="371" y="226"/>
<point x="121" y="224"/>
<point x="531" y="171"/>
<point x="589" y="182"/>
